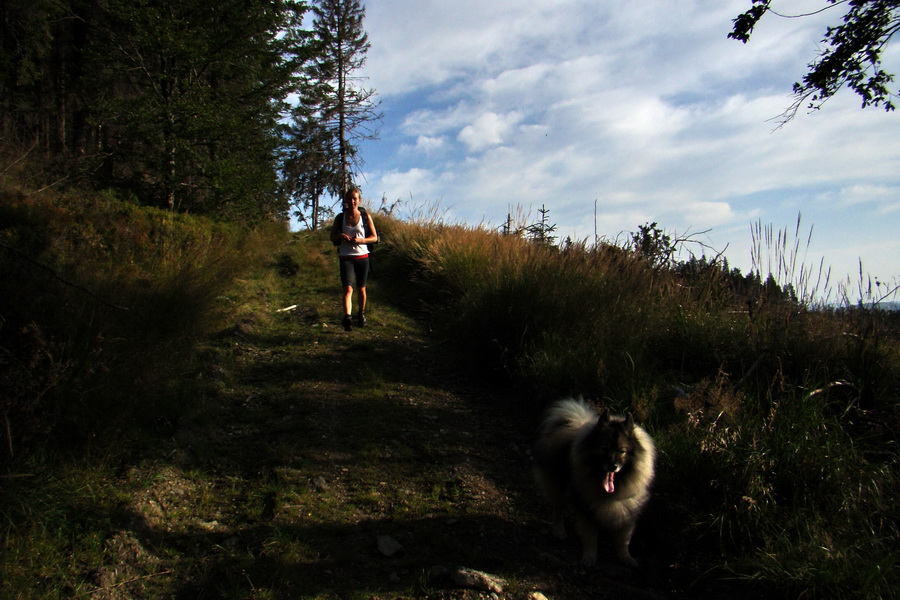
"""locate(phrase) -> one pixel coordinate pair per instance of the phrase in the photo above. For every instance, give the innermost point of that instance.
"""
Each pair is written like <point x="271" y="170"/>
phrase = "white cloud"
<point x="488" y="129"/>
<point x="430" y="145"/>
<point x="860" y="195"/>
<point x="432" y="122"/>
<point x="403" y="184"/>
<point x="437" y="42"/>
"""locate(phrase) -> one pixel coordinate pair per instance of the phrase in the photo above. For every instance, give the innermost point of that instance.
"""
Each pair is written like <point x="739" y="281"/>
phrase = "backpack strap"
<point x="365" y="219"/>
<point x="336" y="227"/>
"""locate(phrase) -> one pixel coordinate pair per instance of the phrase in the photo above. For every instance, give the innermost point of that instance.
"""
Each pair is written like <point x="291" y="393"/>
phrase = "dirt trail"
<point x="316" y="444"/>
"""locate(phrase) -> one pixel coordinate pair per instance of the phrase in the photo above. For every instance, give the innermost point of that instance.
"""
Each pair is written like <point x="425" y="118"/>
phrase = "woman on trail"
<point x="352" y="231"/>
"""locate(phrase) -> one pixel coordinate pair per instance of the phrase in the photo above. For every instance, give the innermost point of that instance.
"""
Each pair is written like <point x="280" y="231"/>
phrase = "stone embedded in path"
<point x="388" y="546"/>
<point x="476" y="580"/>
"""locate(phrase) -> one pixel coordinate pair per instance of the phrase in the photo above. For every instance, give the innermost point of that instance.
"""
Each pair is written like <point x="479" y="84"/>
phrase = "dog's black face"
<point x="607" y="449"/>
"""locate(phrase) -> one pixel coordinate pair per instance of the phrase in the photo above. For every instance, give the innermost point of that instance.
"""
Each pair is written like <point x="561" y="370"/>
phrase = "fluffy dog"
<point x="600" y="466"/>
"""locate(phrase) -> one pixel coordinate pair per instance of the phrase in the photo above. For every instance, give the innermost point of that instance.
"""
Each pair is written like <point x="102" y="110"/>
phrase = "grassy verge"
<point x="777" y="422"/>
<point x="103" y="299"/>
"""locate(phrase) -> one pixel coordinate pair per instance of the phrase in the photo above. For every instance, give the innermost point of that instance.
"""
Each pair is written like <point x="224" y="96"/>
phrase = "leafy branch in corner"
<point x="851" y="55"/>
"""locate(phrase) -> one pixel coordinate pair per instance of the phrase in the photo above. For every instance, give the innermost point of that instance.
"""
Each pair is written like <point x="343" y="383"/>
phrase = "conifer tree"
<point x="335" y="113"/>
<point x="202" y="84"/>
<point x="181" y="100"/>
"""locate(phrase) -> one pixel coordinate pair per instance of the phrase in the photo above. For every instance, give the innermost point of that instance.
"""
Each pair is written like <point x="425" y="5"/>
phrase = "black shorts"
<point x="354" y="267"/>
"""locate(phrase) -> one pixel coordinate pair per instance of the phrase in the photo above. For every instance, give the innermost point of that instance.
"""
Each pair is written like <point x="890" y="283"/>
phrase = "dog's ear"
<point x="629" y="422"/>
<point x="604" y="415"/>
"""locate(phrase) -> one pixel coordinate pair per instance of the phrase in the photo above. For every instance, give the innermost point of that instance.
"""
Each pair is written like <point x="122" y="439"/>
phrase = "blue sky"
<point x="645" y="107"/>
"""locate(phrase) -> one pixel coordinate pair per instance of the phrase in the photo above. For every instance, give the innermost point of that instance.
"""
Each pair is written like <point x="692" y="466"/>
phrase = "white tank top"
<point x="348" y="249"/>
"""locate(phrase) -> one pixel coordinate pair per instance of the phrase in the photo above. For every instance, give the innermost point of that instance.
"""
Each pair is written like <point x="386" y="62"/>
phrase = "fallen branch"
<point x="13" y="163"/>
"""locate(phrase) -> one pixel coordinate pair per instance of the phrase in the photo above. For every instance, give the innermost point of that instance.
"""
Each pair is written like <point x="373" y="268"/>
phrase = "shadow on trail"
<point x="321" y="440"/>
<point x="343" y="560"/>
<point x="324" y="441"/>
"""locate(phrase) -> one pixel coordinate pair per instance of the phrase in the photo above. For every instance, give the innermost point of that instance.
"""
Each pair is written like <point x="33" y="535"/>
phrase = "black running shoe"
<point x="362" y="319"/>
<point x="348" y="323"/>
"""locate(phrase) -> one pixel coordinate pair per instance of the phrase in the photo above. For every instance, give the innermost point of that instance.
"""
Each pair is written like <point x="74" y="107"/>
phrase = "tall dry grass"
<point x="776" y="416"/>
<point x="579" y="319"/>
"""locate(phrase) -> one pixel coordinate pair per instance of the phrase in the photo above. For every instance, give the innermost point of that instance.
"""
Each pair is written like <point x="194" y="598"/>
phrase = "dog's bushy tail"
<point x="570" y="413"/>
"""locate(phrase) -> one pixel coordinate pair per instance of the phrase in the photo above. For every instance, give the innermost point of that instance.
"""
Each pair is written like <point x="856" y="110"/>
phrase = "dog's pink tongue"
<point x="608" y="484"/>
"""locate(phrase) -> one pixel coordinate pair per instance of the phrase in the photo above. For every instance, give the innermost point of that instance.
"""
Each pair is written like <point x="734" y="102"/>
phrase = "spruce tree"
<point x="183" y="101"/>
<point x="335" y="113"/>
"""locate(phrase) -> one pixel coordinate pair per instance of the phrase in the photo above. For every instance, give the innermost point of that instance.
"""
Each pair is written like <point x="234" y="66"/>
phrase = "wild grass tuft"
<point x="785" y="491"/>
<point x="50" y="523"/>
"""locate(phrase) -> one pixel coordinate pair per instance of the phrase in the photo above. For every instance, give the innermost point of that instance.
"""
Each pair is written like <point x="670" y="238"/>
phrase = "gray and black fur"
<point x="598" y="465"/>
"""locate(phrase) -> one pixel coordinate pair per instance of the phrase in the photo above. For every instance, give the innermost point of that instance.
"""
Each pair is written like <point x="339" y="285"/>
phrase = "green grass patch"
<point x="222" y="446"/>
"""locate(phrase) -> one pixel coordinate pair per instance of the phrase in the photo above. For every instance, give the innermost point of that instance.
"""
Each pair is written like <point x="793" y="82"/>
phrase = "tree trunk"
<point x="58" y="73"/>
